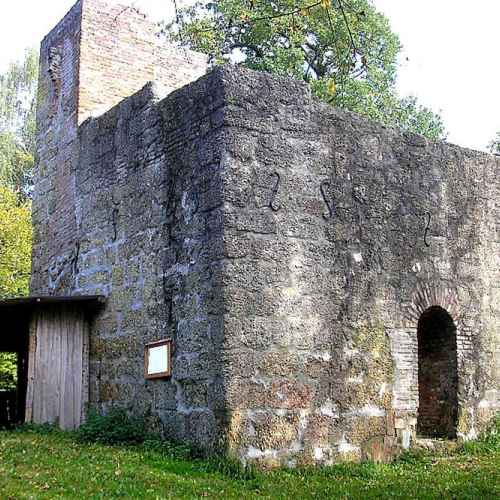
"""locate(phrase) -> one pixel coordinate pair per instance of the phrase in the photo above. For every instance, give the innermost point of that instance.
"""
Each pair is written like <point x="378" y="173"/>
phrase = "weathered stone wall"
<point x="150" y="200"/>
<point x="95" y="57"/>
<point x="57" y="149"/>
<point x="288" y="248"/>
<point x="339" y="233"/>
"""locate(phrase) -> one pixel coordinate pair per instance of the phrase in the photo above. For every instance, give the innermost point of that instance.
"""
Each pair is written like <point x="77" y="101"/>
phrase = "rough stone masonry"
<point x="321" y="276"/>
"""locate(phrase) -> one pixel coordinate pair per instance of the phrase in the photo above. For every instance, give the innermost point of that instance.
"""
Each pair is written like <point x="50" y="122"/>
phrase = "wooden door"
<point x="58" y="367"/>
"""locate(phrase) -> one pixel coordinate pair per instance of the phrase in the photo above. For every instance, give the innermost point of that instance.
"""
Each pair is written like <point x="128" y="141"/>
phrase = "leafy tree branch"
<point x="494" y="145"/>
<point x="345" y="49"/>
<point x="17" y="124"/>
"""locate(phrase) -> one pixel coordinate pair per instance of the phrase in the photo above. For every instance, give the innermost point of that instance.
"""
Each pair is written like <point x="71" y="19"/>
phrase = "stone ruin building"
<point x="249" y="268"/>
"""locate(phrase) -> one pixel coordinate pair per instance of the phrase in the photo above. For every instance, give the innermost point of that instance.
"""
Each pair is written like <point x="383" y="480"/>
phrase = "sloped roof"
<point x="15" y="316"/>
<point x="87" y="301"/>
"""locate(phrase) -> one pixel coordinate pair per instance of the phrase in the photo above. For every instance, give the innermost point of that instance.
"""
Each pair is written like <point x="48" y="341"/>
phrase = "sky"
<point x="450" y="58"/>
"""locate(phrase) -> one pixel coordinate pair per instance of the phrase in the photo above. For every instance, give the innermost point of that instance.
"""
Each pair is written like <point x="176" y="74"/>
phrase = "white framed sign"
<point x="158" y="359"/>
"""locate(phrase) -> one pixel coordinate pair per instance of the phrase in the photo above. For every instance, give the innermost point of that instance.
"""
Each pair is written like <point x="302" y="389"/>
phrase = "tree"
<point x="345" y="49"/>
<point x="8" y="371"/>
<point x="17" y="124"/>
<point x="494" y="145"/>
<point x="17" y="151"/>
<point x="15" y="244"/>
<point x="15" y="265"/>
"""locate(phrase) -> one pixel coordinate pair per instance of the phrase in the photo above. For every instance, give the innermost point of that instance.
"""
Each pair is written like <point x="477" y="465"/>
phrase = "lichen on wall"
<point x="287" y="248"/>
<point x="339" y="233"/>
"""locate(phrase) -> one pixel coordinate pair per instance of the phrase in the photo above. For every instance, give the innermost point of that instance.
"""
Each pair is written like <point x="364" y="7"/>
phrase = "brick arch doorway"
<point x="437" y="374"/>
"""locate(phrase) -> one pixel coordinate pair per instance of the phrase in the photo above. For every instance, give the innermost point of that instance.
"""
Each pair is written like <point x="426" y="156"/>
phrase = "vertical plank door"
<point x="58" y="367"/>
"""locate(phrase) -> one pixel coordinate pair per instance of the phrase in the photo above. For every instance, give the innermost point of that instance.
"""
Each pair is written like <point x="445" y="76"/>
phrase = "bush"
<point x="8" y="371"/>
<point x="115" y="427"/>
<point x="167" y="449"/>
<point x="230" y="467"/>
<point x="487" y="442"/>
<point x="41" y="429"/>
<point x="415" y="456"/>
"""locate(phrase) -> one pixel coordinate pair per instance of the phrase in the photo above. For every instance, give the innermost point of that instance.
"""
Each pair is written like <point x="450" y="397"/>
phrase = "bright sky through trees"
<point x="451" y="46"/>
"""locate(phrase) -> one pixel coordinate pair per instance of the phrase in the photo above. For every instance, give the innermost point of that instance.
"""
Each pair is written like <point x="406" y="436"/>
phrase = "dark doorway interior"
<point x="437" y="374"/>
<point x="14" y="339"/>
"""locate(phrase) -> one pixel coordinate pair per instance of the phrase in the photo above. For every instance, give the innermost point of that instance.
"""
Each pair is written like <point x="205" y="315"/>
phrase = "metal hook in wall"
<point x="427" y="229"/>
<point x="275" y="192"/>
<point x="331" y="208"/>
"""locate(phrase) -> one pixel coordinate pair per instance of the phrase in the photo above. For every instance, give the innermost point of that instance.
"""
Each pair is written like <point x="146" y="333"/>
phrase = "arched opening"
<point x="437" y="374"/>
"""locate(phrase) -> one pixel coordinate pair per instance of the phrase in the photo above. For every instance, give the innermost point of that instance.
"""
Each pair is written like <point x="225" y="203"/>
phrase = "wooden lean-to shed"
<point x="50" y="336"/>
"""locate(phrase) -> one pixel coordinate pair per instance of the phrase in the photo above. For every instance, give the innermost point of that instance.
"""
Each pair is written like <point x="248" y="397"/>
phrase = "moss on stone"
<point x="373" y="362"/>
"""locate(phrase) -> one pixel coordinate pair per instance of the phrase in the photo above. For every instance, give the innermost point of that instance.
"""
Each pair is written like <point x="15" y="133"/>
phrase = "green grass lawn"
<point x="52" y="465"/>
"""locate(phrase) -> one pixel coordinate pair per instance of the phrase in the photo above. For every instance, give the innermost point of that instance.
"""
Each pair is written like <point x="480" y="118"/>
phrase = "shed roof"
<point x="15" y="315"/>
<point x="87" y="301"/>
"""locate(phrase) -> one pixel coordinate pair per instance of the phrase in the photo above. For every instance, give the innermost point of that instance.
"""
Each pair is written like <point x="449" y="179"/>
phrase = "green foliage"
<point x="494" y="145"/>
<point x="18" y="86"/>
<point x="16" y="165"/>
<point x="345" y="50"/>
<point x="167" y="449"/>
<point x="55" y="465"/>
<point x="40" y="429"/>
<point x="118" y="428"/>
<point x="15" y="266"/>
<point x="230" y="467"/>
<point x="487" y="442"/>
<point x="115" y="427"/>
<point x="15" y="245"/>
<point x="414" y="456"/>
<point x="8" y="371"/>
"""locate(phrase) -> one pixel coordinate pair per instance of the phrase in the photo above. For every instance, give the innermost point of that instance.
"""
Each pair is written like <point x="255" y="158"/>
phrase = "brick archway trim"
<point x="433" y="294"/>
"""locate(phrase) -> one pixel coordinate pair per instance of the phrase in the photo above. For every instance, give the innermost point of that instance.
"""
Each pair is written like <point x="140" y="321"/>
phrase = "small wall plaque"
<point x="158" y="359"/>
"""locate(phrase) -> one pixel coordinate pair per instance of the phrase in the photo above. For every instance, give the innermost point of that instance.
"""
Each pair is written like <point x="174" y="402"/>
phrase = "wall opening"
<point x="437" y="374"/>
<point x="13" y="375"/>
